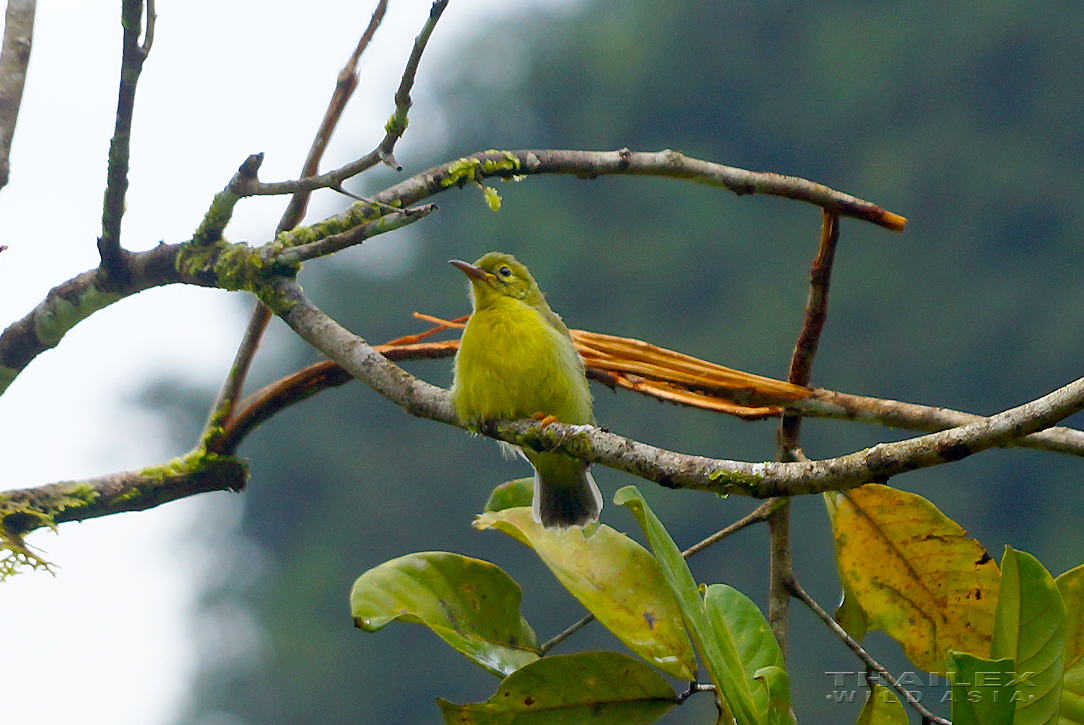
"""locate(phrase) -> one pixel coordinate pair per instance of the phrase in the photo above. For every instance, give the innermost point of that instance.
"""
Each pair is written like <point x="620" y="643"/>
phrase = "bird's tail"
<point x="565" y="494"/>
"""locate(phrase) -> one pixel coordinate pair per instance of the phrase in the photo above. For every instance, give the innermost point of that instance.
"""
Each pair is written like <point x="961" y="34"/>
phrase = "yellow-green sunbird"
<point x="517" y="360"/>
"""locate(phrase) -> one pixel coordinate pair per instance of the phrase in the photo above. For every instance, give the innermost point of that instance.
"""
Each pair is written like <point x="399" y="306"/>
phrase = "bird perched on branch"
<point x="517" y="360"/>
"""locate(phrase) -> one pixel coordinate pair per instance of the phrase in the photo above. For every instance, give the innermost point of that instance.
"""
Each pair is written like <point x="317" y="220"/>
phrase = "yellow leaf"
<point x="915" y="573"/>
<point x="618" y="580"/>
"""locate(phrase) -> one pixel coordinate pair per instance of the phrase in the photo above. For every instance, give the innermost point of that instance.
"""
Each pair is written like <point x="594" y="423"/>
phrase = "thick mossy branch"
<point x="25" y="510"/>
<point x="207" y="260"/>
<point x="73" y="301"/>
<point x="234" y="266"/>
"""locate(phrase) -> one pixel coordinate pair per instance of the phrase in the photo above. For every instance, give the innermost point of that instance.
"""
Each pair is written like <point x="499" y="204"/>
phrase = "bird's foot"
<point x="544" y="418"/>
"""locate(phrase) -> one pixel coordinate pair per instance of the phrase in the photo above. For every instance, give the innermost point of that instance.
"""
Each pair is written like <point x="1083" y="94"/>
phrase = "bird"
<point x="516" y="360"/>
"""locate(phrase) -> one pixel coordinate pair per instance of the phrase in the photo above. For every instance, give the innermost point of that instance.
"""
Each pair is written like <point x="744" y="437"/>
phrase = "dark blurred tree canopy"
<point x="963" y="118"/>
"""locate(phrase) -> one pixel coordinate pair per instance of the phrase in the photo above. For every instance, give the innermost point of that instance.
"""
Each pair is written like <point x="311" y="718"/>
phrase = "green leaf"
<point x="1029" y="627"/>
<point x="738" y="617"/>
<point x="850" y="615"/>
<point x="603" y="688"/>
<point x="716" y="648"/>
<point x="914" y="573"/>
<point x="511" y="494"/>
<point x="1071" y="586"/>
<point x="776" y="684"/>
<point x="983" y="691"/>
<point x="618" y="581"/>
<point x="882" y="708"/>
<point x="1071" y="711"/>
<point x="471" y="604"/>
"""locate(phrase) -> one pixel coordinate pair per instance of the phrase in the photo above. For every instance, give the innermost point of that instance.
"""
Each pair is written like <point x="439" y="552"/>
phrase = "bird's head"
<point x="500" y="275"/>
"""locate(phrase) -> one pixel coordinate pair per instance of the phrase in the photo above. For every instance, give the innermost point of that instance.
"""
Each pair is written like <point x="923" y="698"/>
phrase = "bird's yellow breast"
<point x="512" y="363"/>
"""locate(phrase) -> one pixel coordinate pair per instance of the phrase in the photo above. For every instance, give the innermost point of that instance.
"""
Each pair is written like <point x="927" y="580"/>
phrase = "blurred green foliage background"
<point x="963" y="117"/>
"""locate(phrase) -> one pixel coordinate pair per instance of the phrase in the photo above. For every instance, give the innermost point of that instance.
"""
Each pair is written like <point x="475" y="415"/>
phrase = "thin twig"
<point x="148" y="34"/>
<point x="562" y="636"/>
<point x="14" y="59"/>
<point x="760" y="513"/>
<point x="357" y="235"/>
<point x="781" y="570"/>
<point x="217" y="427"/>
<point x="816" y="313"/>
<point x="857" y="648"/>
<point x="114" y="262"/>
<point x="345" y="84"/>
<point x="397" y="124"/>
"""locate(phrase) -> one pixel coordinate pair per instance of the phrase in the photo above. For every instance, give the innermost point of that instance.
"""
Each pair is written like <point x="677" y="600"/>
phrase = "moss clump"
<point x="734" y="481"/>
<point x="20" y="515"/>
<point x="397" y="123"/>
<point x="471" y="168"/>
<point x="237" y="267"/>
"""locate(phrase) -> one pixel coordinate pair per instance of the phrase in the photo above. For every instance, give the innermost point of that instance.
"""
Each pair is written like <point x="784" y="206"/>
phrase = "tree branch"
<point x="346" y="83"/>
<point x="72" y="301"/>
<point x="668" y="468"/>
<point x="14" y="59"/>
<point x="309" y="381"/>
<point x="25" y="510"/>
<point x="590" y="165"/>
<point x="852" y="643"/>
<point x="343" y="240"/>
<point x="781" y="571"/>
<point x="114" y="269"/>
<point x="397" y="124"/>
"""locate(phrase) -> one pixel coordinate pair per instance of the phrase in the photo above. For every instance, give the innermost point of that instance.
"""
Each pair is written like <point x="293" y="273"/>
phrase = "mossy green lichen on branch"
<point x="355" y="215"/>
<point x="236" y="267"/>
<point x="25" y="510"/>
<point x="21" y="514"/>
<point x="60" y="313"/>
<point x="475" y="168"/>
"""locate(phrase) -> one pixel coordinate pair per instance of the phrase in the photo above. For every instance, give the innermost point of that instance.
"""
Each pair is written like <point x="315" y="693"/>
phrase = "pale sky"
<point x="109" y="638"/>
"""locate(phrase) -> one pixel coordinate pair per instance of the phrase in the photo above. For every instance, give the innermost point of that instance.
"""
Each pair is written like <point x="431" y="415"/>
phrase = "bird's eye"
<point x="504" y="272"/>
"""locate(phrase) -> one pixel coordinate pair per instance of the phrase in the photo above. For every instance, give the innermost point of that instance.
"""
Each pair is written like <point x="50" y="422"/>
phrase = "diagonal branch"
<point x="14" y="59"/>
<point x="852" y="643"/>
<point x="397" y="124"/>
<point x="717" y="389"/>
<point x="346" y="83"/>
<point x="668" y="468"/>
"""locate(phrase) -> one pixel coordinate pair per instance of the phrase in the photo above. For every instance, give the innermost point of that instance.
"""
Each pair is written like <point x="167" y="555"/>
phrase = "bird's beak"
<point x="469" y="269"/>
